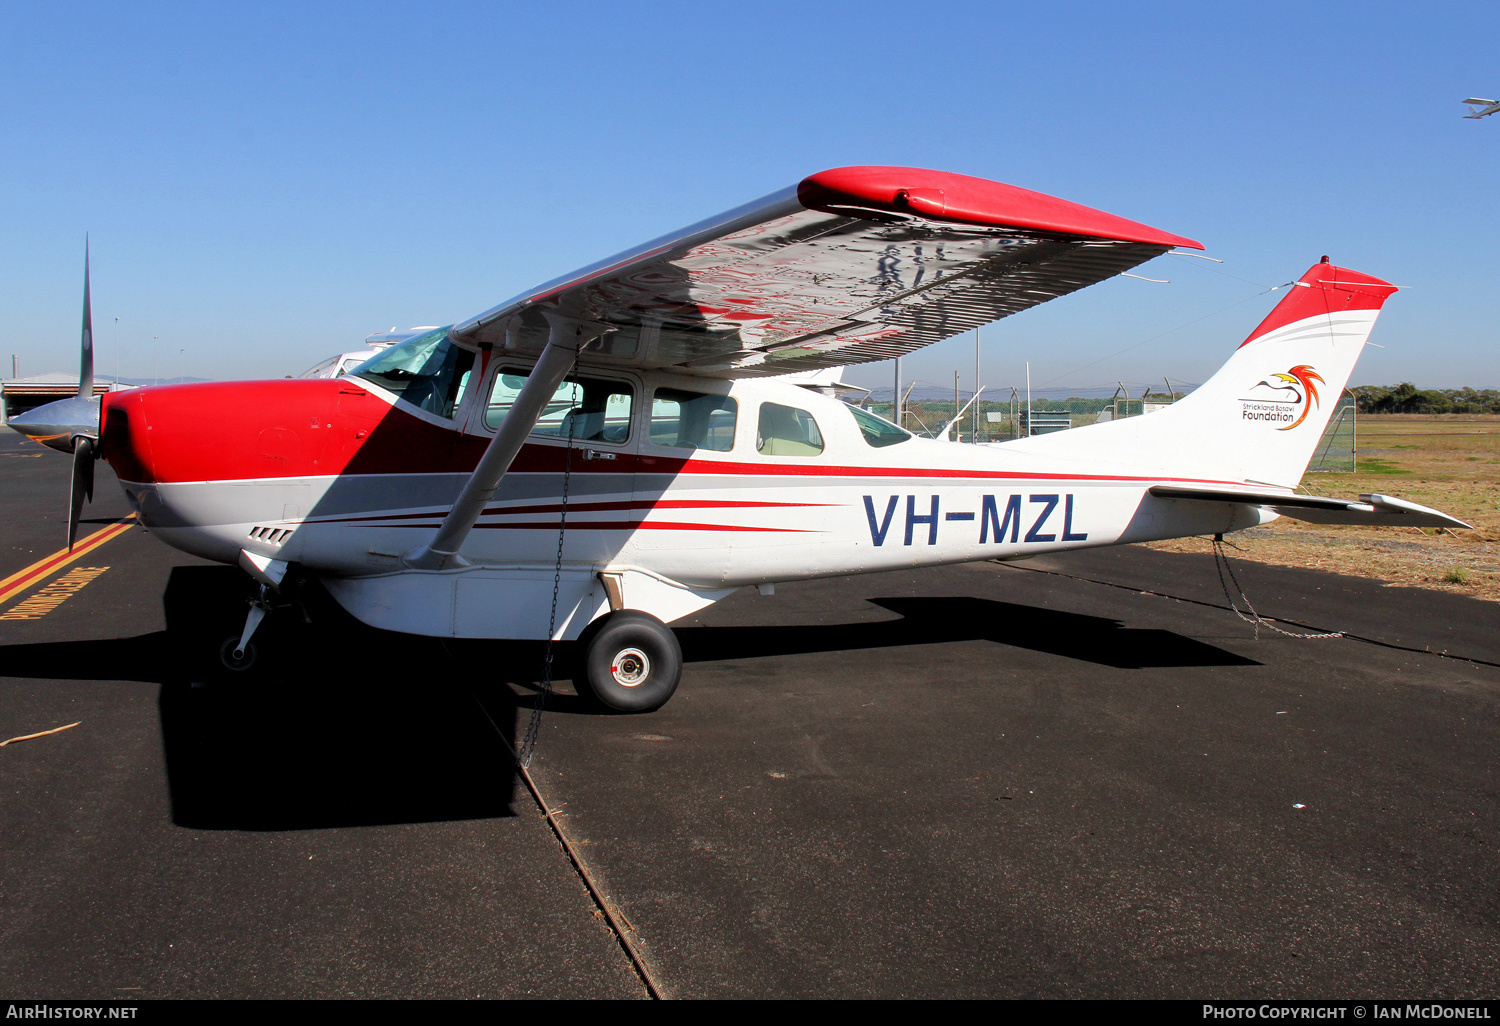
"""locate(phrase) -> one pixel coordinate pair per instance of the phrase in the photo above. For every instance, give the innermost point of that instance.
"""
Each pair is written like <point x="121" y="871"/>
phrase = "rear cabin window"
<point x="878" y="431"/>
<point x="693" y="420"/>
<point x="583" y="409"/>
<point x="787" y="431"/>
<point x="428" y="371"/>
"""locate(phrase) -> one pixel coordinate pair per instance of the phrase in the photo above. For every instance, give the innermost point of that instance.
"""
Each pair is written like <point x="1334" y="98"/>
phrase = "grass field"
<point x="1449" y="462"/>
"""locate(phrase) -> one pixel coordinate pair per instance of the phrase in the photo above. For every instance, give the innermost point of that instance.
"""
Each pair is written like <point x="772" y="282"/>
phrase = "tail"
<point x="1259" y="419"/>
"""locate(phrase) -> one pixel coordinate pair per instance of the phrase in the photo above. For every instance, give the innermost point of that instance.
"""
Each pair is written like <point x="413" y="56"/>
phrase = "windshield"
<point x="878" y="431"/>
<point x="428" y="371"/>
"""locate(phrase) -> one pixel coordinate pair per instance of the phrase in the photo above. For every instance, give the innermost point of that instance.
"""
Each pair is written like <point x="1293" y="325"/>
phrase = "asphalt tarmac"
<point x="1077" y="776"/>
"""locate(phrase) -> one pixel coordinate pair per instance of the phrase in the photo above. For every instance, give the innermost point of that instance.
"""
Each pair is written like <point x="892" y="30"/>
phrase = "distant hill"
<point x="161" y="381"/>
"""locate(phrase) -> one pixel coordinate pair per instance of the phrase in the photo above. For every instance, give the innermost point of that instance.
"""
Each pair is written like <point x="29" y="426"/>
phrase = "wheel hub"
<point x="630" y="667"/>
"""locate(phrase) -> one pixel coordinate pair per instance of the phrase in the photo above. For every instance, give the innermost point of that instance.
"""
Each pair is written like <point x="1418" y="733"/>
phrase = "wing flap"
<point x="853" y="265"/>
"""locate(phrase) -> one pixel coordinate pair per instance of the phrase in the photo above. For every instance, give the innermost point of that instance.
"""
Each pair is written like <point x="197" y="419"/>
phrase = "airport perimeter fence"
<point x="1337" y="451"/>
<point x="926" y="410"/>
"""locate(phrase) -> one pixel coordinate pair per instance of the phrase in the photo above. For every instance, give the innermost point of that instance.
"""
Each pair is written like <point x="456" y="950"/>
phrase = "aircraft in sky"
<point x="622" y="446"/>
<point x="1482" y="108"/>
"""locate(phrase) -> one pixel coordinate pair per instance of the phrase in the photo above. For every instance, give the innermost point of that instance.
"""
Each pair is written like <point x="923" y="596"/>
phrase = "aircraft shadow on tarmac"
<point x="343" y="725"/>
<point x="926" y="621"/>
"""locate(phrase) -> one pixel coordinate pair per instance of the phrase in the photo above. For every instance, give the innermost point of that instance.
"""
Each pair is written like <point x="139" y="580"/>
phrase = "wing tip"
<point x="970" y="200"/>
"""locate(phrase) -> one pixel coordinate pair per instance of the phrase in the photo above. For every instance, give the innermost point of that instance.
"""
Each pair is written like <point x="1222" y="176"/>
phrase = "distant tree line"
<point x="1408" y="398"/>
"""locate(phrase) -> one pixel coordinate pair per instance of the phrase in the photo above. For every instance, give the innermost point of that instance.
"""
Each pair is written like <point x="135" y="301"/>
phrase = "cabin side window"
<point x="693" y="420"/>
<point x="428" y="371"/>
<point x="787" y="431"/>
<point x="583" y="409"/>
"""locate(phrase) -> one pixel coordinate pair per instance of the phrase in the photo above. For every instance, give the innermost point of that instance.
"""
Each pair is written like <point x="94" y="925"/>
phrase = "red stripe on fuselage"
<point x="590" y="507"/>
<point x="637" y="525"/>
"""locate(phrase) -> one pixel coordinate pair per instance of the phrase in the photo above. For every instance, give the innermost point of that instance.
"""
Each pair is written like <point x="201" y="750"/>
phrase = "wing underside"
<point x="851" y="266"/>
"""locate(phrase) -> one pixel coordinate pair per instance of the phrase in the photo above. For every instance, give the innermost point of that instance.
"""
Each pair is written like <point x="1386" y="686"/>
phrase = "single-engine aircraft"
<point x="624" y="445"/>
<point x="1481" y="108"/>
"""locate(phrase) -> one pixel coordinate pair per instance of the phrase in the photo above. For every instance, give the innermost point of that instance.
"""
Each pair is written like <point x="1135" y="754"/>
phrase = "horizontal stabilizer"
<point x="1370" y="511"/>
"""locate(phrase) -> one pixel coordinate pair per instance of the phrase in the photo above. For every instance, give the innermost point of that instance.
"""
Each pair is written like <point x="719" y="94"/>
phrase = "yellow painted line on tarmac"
<point x="54" y="594"/>
<point x="18" y="582"/>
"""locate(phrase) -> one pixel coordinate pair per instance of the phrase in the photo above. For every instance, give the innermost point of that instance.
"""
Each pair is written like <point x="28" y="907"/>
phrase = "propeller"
<point x="83" y="446"/>
<point x="72" y="425"/>
<point x="83" y="483"/>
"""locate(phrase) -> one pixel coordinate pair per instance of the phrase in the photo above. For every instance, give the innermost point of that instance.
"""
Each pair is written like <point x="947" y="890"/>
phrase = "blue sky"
<point x="266" y="185"/>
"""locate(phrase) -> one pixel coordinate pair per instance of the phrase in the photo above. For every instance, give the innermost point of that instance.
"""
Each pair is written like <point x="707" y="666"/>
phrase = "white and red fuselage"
<point x="342" y="478"/>
<point x="428" y="489"/>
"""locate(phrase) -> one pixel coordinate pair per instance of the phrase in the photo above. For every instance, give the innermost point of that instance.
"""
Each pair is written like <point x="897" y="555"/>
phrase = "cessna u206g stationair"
<point x="651" y="433"/>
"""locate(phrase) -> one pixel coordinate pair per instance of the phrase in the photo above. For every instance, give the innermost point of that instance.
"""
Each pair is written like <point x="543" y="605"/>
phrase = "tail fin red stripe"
<point x="1325" y="289"/>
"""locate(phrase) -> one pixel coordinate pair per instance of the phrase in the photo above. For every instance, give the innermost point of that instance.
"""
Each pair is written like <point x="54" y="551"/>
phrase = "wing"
<point x="1370" y="511"/>
<point x="851" y="265"/>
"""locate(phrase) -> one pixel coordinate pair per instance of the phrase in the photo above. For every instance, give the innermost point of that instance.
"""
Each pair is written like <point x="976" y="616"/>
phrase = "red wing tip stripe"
<point x="969" y="200"/>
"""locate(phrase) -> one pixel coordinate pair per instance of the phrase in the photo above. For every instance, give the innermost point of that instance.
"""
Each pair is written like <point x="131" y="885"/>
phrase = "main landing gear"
<point x="630" y="662"/>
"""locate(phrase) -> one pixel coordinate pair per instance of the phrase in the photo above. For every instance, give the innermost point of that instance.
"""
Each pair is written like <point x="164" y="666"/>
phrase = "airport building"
<point x="17" y="395"/>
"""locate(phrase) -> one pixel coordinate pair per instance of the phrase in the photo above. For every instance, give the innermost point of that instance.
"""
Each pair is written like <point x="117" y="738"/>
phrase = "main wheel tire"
<point x="631" y="662"/>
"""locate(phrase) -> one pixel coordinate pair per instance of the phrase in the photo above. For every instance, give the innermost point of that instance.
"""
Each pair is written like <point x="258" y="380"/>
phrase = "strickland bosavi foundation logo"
<point x="1283" y="400"/>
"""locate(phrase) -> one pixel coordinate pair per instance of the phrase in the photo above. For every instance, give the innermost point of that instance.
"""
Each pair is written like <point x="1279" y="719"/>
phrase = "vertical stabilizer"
<point x="1260" y="417"/>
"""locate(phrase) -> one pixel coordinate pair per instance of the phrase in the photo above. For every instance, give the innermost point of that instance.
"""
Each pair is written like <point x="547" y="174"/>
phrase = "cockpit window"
<point x="878" y="431"/>
<point x="787" y="431"/>
<point x="428" y="371"/>
<point x="583" y="409"/>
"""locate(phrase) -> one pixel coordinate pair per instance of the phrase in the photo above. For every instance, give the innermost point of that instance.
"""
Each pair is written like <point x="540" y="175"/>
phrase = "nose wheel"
<point x="631" y="662"/>
<point x="238" y="654"/>
<point x="238" y="658"/>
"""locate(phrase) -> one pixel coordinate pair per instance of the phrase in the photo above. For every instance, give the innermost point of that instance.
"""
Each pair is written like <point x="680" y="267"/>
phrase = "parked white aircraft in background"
<point x="624" y="445"/>
<point x="341" y="364"/>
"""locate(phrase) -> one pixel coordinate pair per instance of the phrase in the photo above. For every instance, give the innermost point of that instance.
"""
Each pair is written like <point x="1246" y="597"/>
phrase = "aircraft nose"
<point x="57" y="424"/>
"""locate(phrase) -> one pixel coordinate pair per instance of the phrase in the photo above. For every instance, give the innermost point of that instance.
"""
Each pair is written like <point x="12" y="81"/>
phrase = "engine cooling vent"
<point x="274" y="535"/>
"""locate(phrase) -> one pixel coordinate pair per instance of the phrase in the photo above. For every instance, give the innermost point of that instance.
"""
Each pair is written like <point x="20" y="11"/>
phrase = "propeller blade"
<point x="86" y="358"/>
<point x="83" y="484"/>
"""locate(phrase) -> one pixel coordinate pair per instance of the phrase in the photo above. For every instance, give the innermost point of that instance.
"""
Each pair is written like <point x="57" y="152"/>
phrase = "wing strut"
<point x="566" y="336"/>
